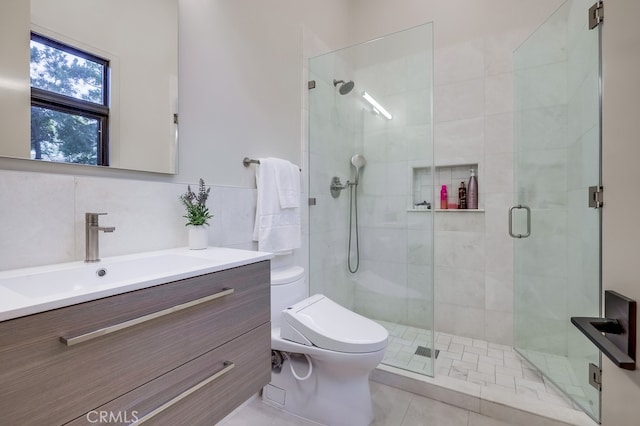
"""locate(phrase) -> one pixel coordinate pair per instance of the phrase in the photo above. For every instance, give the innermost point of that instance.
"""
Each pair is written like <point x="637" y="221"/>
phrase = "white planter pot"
<point x="198" y="237"/>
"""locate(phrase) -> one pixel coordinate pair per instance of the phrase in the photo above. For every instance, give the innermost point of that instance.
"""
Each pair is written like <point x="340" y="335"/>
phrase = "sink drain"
<point x="101" y="272"/>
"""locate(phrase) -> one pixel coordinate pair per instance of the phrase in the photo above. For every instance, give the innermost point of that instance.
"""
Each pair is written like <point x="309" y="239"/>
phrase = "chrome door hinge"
<point x="312" y="201"/>
<point x="596" y="14"/>
<point x="595" y="376"/>
<point x="596" y="199"/>
<point x="175" y="118"/>
<point x="311" y="84"/>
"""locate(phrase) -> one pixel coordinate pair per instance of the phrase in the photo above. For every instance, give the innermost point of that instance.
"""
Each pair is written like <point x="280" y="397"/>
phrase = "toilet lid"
<point x="327" y="325"/>
<point x="286" y="275"/>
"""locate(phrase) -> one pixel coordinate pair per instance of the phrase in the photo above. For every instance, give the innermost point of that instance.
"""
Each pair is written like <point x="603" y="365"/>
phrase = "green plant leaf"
<point x="197" y="213"/>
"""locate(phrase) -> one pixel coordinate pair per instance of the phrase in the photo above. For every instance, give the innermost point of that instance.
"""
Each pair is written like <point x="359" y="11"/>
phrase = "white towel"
<point x="276" y="228"/>
<point x="288" y="183"/>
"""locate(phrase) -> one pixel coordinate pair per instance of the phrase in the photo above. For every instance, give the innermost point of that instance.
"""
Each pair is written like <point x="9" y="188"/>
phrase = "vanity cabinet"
<point x="185" y="352"/>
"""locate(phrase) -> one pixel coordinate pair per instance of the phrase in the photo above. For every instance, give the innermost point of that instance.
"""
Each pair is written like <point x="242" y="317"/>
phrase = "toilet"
<point x="322" y="354"/>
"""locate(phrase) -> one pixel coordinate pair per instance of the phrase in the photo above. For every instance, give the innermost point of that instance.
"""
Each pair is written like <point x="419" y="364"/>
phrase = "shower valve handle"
<point x="337" y="186"/>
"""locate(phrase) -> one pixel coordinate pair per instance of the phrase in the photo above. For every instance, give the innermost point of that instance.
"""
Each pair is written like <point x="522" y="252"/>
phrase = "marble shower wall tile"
<point x="459" y="62"/>
<point x="460" y="100"/>
<point x="461" y="320"/>
<point x="460" y="141"/>
<point x="498" y="133"/>
<point x="499" y="93"/>
<point x="498" y="173"/>
<point x="499" y="49"/>
<point x="474" y="125"/>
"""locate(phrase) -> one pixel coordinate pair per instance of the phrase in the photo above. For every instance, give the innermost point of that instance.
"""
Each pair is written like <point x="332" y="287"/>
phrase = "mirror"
<point x="139" y="38"/>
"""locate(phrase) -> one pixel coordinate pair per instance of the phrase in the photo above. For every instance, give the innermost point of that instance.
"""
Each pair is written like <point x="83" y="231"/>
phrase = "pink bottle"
<point x="443" y="197"/>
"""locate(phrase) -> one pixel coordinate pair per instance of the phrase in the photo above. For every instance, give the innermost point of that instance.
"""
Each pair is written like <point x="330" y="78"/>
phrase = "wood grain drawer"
<point x="46" y="382"/>
<point x="208" y="398"/>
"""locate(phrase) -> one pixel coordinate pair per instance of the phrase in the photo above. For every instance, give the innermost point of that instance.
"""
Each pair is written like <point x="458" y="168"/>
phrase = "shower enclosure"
<point x="371" y="245"/>
<point x="557" y="158"/>
<point x="370" y="162"/>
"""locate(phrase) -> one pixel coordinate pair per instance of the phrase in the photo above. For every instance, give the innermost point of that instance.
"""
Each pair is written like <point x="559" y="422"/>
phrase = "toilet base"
<point x="329" y="396"/>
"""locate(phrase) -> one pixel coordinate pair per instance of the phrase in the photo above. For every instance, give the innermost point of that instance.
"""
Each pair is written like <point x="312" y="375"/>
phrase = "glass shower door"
<point x="371" y="237"/>
<point x="557" y="158"/>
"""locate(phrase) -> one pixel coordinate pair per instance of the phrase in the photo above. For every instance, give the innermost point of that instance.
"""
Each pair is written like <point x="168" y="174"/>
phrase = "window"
<point x="69" y="104"/>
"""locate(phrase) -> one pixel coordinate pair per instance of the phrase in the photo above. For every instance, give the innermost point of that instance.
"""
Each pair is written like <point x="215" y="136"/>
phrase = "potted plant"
<point x="197" y="215"/>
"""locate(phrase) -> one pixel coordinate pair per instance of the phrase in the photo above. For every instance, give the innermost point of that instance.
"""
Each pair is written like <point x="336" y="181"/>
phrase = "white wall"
<point x="621" y="152"/>
<point x="14" y="81"/>
<point x="455" y="21"/>
<point x="241" y="82"/>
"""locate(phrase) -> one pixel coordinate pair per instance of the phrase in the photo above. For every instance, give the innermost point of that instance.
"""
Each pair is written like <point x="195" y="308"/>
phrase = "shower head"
<point x="345" y="87"/>
<point x="358" y="161"/>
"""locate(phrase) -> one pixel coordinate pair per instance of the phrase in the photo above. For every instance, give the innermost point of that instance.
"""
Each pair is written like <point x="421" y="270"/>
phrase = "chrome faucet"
<point x="91" y="229"/>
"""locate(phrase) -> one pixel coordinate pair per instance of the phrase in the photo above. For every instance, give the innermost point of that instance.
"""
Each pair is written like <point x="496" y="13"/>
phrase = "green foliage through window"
<point x="58" y="136"/>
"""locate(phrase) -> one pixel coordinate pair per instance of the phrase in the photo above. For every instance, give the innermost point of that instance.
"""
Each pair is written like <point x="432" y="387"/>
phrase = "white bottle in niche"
<point x="472" y="191"/>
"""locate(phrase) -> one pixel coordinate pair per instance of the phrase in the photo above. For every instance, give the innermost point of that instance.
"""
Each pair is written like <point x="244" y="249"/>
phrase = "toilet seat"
<point x="319" y="321"/>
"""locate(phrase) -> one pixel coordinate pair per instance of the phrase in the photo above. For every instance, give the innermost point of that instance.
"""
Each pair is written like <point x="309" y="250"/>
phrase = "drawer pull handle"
<point x="228" y="366"/>
<point x="74" y="340"/>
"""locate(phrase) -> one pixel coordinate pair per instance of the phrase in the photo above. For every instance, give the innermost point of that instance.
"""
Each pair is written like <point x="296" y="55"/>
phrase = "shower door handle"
<point x="528" y="210"/>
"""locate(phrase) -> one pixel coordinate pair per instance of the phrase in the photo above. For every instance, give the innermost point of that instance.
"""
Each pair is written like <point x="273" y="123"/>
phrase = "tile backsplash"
<point x="42" y="216"/>
<point x="37" y="219"/>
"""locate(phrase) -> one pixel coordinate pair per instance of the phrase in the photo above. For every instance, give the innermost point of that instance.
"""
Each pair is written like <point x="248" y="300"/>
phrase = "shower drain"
<point x="424" y="351"/>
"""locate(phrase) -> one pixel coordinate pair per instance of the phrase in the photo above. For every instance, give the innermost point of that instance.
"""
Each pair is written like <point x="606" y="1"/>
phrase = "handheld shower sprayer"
<point x="358" y="161"/>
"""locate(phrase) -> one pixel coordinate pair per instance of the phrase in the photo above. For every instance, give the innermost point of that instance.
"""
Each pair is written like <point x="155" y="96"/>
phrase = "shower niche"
<point x="423" y="185"/>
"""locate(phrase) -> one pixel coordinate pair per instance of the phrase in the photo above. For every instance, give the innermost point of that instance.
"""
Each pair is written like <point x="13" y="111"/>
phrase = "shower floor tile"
<point x="473" y="360"/>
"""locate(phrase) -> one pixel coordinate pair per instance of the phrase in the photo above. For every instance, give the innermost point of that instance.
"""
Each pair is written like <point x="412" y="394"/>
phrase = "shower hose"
<point x="353" y="200"/>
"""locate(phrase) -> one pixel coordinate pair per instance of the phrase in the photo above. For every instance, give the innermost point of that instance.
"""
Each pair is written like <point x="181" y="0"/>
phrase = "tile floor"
<point x="472" y="360"/>
<point x="392" y="407"/>
<point x="476" y="361"/>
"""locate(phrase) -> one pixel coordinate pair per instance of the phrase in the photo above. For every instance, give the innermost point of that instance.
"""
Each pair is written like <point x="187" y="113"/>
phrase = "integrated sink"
<point x="31" y="290"/>
<point x="93" y="276"/>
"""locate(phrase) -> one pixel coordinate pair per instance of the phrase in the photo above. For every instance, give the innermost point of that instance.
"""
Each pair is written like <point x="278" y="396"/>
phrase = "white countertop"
<point x="28" y="291"/>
